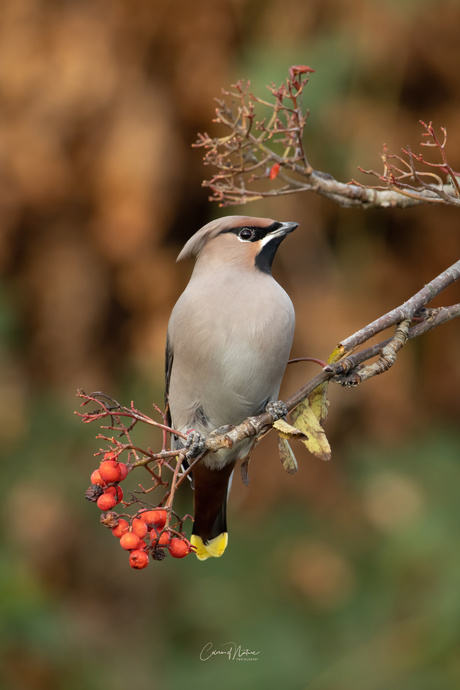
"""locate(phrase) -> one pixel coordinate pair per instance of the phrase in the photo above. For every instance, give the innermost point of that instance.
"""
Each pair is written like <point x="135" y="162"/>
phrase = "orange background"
<point x="330" y="571"/>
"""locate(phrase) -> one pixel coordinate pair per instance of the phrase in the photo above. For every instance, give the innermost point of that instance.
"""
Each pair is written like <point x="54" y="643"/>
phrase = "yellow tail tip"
<point x="214" y="548"/>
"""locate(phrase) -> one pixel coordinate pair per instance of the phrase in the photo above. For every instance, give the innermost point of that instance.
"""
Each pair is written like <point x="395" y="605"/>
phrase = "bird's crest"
<point x="196" y="243"/>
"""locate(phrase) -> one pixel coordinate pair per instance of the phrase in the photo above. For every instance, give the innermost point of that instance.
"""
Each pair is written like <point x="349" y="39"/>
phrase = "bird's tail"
<point x="209" y="534"/>
<point x="213" y="548"/>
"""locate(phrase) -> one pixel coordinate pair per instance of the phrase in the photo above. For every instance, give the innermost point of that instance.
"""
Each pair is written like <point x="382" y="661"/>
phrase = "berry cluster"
<point x="105" y="480"/>
<point x="146" y="532"/>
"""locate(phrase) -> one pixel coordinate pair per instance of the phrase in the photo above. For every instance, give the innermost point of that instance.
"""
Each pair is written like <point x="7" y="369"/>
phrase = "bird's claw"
<point x="277" y="409"/>
<point x="195" y="444"/>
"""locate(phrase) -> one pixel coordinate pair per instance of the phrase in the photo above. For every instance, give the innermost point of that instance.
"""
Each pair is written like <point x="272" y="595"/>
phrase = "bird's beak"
<point x="284" y="230"/>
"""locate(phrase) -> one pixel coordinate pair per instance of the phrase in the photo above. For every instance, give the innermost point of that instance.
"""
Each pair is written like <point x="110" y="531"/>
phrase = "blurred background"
<point x="343" y="576"/>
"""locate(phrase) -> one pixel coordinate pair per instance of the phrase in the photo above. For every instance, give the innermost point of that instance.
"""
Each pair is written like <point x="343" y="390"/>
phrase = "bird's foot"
<point x="195" y="444"/>
<point x="277" y="409"/>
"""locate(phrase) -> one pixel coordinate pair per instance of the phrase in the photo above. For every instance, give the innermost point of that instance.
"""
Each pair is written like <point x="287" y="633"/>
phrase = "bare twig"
<point x="349" y="370"/>
<point x="261" y="158"/>
<point x="412" y="174"/>
<point x="412" y="309"/>
<point x="253" y="156"/>
<point x="427" y="319"/>
<point x="387" y="357"/>
<point x="406" y="310"/>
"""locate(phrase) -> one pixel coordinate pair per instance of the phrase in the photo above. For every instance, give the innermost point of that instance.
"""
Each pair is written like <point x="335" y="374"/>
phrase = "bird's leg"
<point x="195" y="443"/>
<point x="277" y="409"/>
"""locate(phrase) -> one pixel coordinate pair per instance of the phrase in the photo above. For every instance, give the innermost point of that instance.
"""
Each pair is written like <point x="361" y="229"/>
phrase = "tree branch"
<point x="406" y="310"/>
<point x="263" y="158"/>
<point x="258" y="154"/>
<point x="346" y="369"/>
<point x="412" y="308"/>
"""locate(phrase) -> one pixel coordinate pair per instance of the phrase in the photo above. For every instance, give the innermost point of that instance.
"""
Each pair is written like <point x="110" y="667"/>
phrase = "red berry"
<point x="97" y="479"/>
<point x="147" y="516"/>
<point x="106" y="501"/>
<point x="123" y="471"/>
<point x="178" y="548"/>
<point x="160" y="518"/>
<point x="116" y="492"/>
<point x="129" y="541"/>
<point x="139" y="527"/>
<point x="155" y="517"/>
<point x="109" y="471"/>
<point x="110" y="455"/>
<point x="142" y="545"/>
<point x="138" y="559"/>
<point x="274" y="171"/>
<point x="164" y="539"/>
<point x="121" y="528"/>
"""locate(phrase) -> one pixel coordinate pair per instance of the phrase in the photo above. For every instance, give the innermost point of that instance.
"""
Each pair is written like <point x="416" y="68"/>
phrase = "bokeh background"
<point x="343" y="576"/>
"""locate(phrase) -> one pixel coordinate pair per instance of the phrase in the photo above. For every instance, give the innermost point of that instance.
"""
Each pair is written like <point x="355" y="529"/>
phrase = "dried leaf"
<point x="244" y="469"/>
<point x="308" y="430"/>
<point x="318" y="402"/>
<point x="313" y="433"/>
<point x="318" y="398"/>
<point x="287" y="456"/>
<point x="286" y="430"/>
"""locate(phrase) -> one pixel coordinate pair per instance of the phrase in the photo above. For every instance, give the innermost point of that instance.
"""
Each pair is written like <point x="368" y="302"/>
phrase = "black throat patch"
<point x="264" y="258"/>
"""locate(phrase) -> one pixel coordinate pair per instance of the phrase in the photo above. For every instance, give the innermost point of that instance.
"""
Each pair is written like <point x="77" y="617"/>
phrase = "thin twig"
<point x="244" y="158"/>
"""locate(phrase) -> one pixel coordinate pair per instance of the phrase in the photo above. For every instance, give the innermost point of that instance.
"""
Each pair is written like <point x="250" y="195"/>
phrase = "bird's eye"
<point x="246" y="234"/>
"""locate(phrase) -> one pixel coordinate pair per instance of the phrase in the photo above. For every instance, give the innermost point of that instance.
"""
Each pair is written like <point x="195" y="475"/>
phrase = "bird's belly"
<point x="238" y="381"/>
<point x="229" y="373"/>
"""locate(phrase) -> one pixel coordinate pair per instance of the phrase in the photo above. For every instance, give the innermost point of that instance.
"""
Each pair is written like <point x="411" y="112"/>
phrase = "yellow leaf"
<point x="318" y="402"/>
<point x="287" y="456"/>
<point x="336" y="354"/>
<point x="318" y="398"/>
<point x="285" y="430"/>
<point x="308" y="423"/>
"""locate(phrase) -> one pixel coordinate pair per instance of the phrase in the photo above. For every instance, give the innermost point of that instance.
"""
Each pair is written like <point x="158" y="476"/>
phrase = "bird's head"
<point x="244" y="241"/>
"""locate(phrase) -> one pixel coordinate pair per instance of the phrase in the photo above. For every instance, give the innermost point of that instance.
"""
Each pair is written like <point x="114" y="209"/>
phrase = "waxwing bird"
<point x="228" y="343"/>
